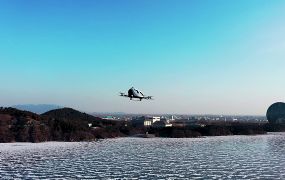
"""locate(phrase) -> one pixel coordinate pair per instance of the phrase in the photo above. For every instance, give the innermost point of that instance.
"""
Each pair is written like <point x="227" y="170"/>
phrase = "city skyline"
<point x="194" y="57"/>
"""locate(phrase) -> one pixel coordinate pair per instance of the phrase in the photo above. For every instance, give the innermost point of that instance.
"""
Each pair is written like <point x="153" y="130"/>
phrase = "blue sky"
<point x="197" y="57"/>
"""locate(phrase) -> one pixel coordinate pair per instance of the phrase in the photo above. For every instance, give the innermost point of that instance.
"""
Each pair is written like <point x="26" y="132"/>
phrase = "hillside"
<point x="22" y="126"/>
<point x="69" y="114"/>
<point x="100" y="128"/>
<point x="18" y="113"/>
<point x="64" y="124"/>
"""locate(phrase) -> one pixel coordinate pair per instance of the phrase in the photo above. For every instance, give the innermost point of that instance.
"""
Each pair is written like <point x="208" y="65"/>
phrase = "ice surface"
<point x="231" y="157"/>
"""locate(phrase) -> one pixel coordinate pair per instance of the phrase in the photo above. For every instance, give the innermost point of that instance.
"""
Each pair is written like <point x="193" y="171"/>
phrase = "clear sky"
<point x="193" y="56"/>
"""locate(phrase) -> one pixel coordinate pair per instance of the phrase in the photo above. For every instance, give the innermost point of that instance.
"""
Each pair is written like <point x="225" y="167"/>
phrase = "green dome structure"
<point x="276" y="113"/>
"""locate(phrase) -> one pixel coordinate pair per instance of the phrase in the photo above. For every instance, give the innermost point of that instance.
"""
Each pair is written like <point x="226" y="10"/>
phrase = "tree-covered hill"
<point x="64" y="124"/>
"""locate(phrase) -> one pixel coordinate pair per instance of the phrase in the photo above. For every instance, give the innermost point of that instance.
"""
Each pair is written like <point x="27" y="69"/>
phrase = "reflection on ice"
<point x="238" y="157"/>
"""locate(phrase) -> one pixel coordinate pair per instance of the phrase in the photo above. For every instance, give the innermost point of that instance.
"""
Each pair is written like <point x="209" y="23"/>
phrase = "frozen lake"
<point x="231" y="157"/>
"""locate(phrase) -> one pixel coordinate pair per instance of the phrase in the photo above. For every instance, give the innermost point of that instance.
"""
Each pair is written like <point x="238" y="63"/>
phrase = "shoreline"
<point x="22" y="144"/>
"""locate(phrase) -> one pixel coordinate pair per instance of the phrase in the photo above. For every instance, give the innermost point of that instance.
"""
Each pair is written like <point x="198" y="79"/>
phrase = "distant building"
<point x="172" y="118"/>
<point x="110" y="118"/>
<point x="145" y="121"/>
<point x="155" y="119"/>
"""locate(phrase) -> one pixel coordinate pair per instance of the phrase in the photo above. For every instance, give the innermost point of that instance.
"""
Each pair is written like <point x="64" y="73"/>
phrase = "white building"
<point x="145" y="121"/>
<point x="154" y="119"/>
<point x="148" y="121"/>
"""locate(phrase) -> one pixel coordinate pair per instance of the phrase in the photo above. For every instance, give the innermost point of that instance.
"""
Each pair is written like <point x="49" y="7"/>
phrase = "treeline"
<point x="209" y="130"/>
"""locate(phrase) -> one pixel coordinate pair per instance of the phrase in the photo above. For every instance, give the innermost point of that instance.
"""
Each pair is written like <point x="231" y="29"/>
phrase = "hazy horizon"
<point x="29" y="107"/>
<point x="194" y="57"/>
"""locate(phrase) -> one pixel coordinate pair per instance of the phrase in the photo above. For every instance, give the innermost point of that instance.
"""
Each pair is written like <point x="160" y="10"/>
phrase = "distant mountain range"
<point x="37" y="108"/>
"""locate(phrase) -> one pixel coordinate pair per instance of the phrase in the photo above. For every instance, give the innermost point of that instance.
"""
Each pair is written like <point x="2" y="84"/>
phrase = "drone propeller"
<point x="149" y="97"/>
